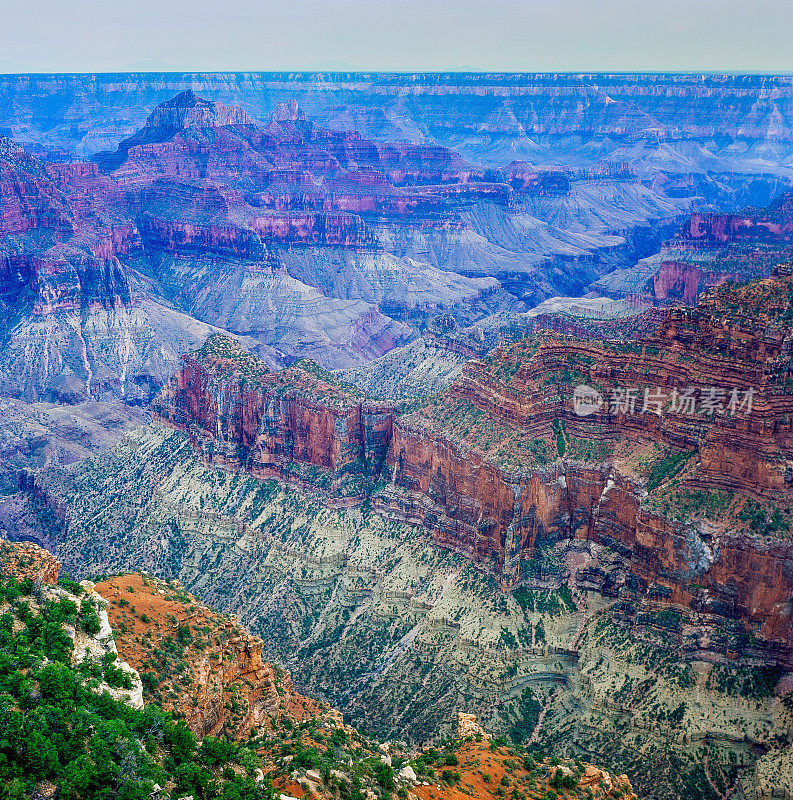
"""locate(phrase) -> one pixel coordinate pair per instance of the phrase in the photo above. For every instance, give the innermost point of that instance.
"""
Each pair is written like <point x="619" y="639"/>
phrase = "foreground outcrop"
<point x="27" y="561"/>
<point x="77" y="691"/>
<point x="223" y="686"/>
<point x="73" y="717"/>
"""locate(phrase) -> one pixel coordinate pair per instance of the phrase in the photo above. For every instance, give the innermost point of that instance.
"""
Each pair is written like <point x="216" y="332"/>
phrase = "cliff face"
<point x="298" y="424"/>
<point x="465" y="503"/>
<point x="712" y="248"/>
<point x="772" y="224"/>
<point x="62" y="228"/>
<point x="481" y="466"/>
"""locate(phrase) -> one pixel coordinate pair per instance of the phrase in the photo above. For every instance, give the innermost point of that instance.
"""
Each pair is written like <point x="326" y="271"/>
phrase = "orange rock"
<point x="223" y="684"/>
<point x="23" y="560"/>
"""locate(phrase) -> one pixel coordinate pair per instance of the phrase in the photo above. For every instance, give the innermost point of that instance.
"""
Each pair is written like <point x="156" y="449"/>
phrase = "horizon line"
<point x="398" y="72"/>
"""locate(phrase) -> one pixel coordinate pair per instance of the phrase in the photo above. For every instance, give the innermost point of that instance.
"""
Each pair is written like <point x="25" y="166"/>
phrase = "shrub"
<point x="88" y="618"/>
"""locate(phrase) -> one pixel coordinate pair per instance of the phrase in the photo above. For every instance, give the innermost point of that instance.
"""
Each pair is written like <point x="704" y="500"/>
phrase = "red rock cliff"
<point x="502" y="463"/>
<point x="297" y="424"/>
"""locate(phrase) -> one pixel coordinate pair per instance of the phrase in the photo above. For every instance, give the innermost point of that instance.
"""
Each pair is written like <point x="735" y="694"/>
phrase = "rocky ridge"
<point x="225" y="688"/>
<point x="299" y="423"/>
<point x="27" y="561"/>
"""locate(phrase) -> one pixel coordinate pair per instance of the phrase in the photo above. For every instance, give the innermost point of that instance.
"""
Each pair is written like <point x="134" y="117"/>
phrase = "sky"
<point x="396" y="35"/>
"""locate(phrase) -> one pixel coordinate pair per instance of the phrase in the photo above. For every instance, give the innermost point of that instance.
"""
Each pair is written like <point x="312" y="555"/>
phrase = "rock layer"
<point x="478" y="495"/>
<point x="297" y="424"/>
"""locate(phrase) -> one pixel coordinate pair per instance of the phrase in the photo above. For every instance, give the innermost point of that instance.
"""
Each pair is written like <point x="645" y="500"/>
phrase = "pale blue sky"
<point x="682" y="35"/>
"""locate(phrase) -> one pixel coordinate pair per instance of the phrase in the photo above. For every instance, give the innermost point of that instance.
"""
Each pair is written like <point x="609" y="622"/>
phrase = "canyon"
<point x="250" y="204"/>
<point x="453" y="394"/>
<point x="369" y="614"/>
<point x="568" y="578"/>
<point x="708" y="250"/>
<point x="266" y="737"/>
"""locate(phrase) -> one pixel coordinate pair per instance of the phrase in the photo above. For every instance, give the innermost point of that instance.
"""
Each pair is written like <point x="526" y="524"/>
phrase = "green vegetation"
<point x="561" y="781"/>
<point x="349" y="763"/>
<point x="560" y="432"/>
<point x="546" y="601"/>
<point x="666" y="468"/>
<point x="89" y="618"/>
<point x="508" y="446"/>
<point x="231" y="360"/>
<point x="312" y="368"/>
<point x="591" y="451"/>
<point x="755" y="683"/>
<point x="55" y="726"/>
<point x="765" y="518"/>
<point x="504" y="363"/>
<point x="528" y="713"/>
<point x="686" y="505"/>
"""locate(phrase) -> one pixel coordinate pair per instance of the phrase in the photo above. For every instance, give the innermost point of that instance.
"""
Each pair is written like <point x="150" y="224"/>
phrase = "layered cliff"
<point x="681" y="459"/>
<point x="693" y="496"/>
<point x="348" y="230"/>
<point x="204" y="219"/>
<point x="80" y="319"/>
<point x="62" y="229"/>
<point x="298" y="424"/>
